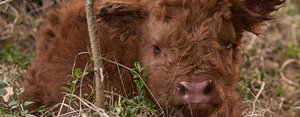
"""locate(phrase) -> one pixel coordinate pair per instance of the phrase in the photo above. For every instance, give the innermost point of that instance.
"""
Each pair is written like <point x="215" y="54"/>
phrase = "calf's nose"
<point x="197" y="93"/>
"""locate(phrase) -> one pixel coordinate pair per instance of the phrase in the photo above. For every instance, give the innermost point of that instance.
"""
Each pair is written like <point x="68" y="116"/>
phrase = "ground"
<point x="270" y="67"/>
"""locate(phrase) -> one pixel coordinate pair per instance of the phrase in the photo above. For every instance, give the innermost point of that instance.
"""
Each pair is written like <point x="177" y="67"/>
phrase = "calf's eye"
<point x="156" y="50"/>
<point x="228" y="46"/>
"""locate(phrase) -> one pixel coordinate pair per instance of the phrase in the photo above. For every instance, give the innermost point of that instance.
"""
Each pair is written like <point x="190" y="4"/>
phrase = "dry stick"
<point x="121" y="78"/>
<point x="256" y="98"/>
<point x="4" y="2"/>
<point x="81" y="80"/>
<point x="112" y="93"/>
<point x="95" y="46"/>
<point x="63" y="104"/>
<point x="88" y="104"/>
<point x="282" y="74"/>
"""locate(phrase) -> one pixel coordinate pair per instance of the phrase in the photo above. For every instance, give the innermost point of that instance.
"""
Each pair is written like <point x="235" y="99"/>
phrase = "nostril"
<point x="181" y="89"/>
<point x="209" y="88"/>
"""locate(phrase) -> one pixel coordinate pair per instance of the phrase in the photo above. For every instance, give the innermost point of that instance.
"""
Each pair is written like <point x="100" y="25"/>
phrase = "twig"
<point x="283" y="76"/>
<point x="95" y="46"/>
<point x="5" y="2"/>
<point x="99" y="111"/>
<point x="256" y="97"/>
<point x="61" y="106"/>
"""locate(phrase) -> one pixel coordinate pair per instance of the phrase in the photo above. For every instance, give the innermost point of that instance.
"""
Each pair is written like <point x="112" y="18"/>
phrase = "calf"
<point x="191" y="46"/>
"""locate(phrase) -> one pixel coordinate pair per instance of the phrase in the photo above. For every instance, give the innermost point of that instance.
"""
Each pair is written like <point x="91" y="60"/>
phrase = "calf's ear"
<point x="254" y="12"/>
<point x="122" y="16"/>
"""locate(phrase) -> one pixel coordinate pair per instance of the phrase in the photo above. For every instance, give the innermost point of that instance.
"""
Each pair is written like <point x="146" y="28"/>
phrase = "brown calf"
<point x="191" y="46"/>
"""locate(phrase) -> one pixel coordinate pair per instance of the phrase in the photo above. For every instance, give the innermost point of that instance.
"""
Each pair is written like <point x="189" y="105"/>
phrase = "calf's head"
<point x="192" y="48"/>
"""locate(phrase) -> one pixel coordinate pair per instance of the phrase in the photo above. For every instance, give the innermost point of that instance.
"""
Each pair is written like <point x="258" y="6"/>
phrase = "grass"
<point x="269" y="73"/>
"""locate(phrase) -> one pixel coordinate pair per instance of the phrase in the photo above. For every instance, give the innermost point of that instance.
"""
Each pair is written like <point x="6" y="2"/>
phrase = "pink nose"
<point x="197" y="93"/>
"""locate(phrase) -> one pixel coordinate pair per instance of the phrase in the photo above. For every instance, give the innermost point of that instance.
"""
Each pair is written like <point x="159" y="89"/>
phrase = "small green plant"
<point x="12" y="108"/>
<point x="279" y="90"/>
<point x="15" y="108"/>
<point x="243" y="87"/>
<point x="2" y="90"/>
<point x="78" y="74"/>
<point x="138" y="104"/>
<point x="292" y="52"/>
<point x="137" y="80"/>
<point x="291" y="12"/>
<point x="244" y="90"/>
<point x="258" y="74"/>
<point x="14" y="56"/>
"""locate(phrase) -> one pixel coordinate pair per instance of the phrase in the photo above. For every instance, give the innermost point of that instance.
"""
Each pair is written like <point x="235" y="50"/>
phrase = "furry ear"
<point x="263" y="7"/>
<point x="253" y="12"/>
<point x="121" y="16"/>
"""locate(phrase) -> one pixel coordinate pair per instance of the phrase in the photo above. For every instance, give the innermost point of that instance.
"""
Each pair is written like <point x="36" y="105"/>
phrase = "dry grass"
<point x="270" y="69"/>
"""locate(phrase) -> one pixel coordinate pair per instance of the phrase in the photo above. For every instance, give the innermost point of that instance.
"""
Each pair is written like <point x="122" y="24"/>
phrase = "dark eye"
<point x="228" y="45"/>
<point x="156" y="50"/>
<point x="229" y="84"/>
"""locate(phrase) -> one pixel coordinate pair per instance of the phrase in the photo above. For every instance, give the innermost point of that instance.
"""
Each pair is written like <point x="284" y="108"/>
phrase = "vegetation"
<point x="270" y="67"/>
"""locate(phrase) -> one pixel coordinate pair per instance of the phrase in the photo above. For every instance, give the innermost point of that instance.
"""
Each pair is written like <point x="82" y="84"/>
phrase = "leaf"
<point x="42" y="109"/>
<point x="145" y="68"/>
<point x="145" y="74"/>
<point x="70" y="83"/>
<point x="290" y="12"/>
<point x="8" y="116"/>
<point x="137" y="66"/>
<point x="128" y="113"/>
<point x="142" y="92"/>
<point x="74" y="82"/>
<point x="24" y="112"/>
<point x="279" y="90"/>
<point x="70" y="76"/>
<point x="262" y="76"/>
<point x="4" y="110"/>
<point x="107" y="96"/>
<point x="132" y="71"/>
<point x="13" y="103"/>
<point x="136" y="81"/>
<point x="77" y="72"/>
<point x="140" y="85"/>
<point x="28" y="103"/>
<point x="66" y="89"/>
<point x="3" y="92"/>
<point x="9" y="58"/>
<point x="106" y="103"/>
<point x="118" y="110"/>
<point x="3" y="84"/>
<point x="85" y="73"/>
<point x="135" y="75"/>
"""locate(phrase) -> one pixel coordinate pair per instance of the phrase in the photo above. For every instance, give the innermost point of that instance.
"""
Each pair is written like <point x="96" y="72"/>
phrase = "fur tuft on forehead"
<point x="189" y="11"/>
<point x="246" y="14"/>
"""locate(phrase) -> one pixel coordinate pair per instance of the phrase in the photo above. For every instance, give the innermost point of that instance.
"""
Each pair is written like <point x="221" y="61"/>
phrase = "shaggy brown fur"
<point x="181" y="40"/>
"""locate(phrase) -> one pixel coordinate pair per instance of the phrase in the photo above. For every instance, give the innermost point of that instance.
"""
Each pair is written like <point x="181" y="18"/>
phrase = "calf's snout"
<point x="198" y="98"/>
<point x="197" y="93"/>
